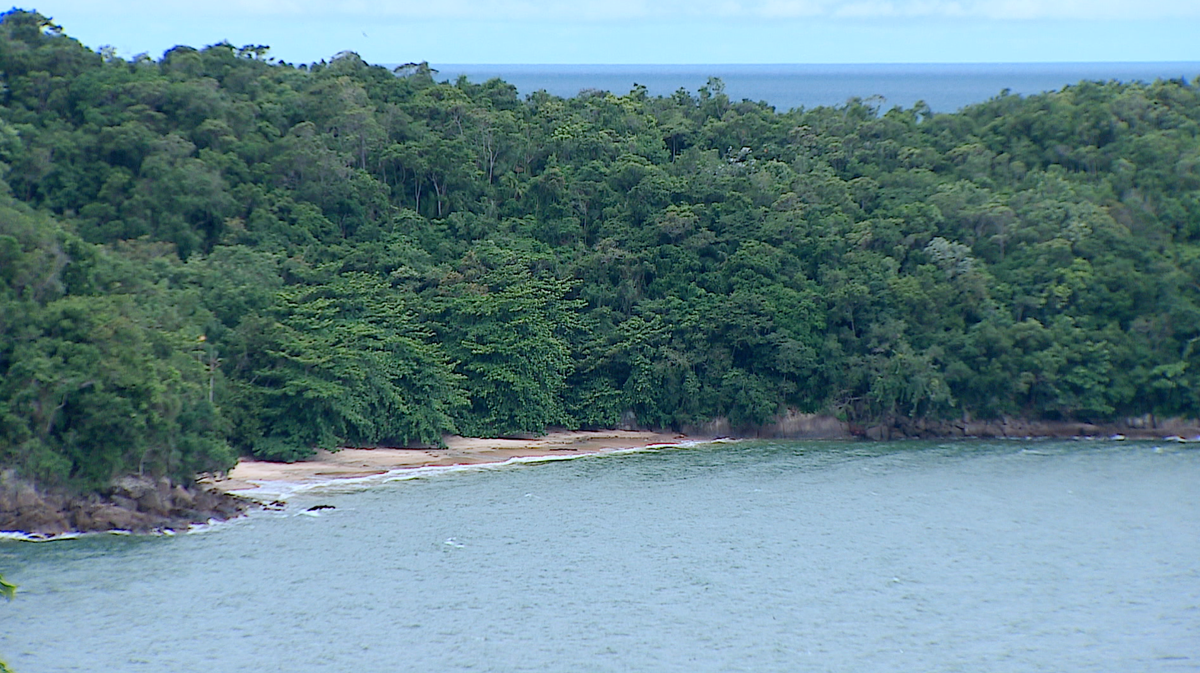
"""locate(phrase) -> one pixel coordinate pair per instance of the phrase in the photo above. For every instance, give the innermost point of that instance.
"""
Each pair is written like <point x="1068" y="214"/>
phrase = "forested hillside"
<point x="215" y="252"/>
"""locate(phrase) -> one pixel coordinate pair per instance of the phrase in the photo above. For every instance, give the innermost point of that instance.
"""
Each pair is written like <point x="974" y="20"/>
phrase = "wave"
<point x="281" y="491"/>
<point x="269" y="491"/>
<point x="211" y="524"/>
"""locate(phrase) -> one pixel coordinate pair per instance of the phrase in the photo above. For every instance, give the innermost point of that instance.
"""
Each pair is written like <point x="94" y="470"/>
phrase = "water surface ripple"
<point x="755" y="556"/>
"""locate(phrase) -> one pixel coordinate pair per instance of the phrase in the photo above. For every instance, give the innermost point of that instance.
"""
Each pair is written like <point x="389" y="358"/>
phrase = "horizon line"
<point x="797" y="63"/>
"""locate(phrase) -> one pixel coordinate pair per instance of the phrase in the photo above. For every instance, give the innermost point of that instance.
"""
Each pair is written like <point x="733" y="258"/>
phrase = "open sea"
<point x="746" y="556"/>
<point x="944" y="87"/>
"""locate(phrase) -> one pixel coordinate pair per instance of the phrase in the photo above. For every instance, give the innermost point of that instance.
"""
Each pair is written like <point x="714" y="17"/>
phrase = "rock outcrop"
<point x="136" y="504"/>
<point x="1142" y="427"/>
<point x="795" y="425"/>
<point x="791" y="424"/>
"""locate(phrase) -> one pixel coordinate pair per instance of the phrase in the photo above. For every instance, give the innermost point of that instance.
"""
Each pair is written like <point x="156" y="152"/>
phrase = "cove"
<point x="745" y="556"/>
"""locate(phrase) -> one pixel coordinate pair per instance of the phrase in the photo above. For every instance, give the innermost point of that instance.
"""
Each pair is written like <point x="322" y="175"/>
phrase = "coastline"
<point x="355" y="463"/>
<point x="146" y="505"/>
<point x="131" y="504"/>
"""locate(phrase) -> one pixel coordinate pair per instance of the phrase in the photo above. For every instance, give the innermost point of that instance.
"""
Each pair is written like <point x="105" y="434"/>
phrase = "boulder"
<point x="124" y="502"/>
<point x="793" y="424"/>
<point x="133" y="487"/>
<point x="138" y="504"/>
<point x="181" y="498"/>
<point x="152" y="502"/>
<point x="115" y="517"/>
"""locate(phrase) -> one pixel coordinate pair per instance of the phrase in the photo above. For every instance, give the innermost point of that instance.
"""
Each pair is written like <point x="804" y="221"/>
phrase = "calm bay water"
<point x="946" y="87"/>
<point x="751" y="556"/>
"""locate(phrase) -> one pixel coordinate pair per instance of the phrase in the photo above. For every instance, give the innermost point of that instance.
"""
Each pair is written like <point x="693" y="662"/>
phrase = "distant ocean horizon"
<point x="944" y="87"/>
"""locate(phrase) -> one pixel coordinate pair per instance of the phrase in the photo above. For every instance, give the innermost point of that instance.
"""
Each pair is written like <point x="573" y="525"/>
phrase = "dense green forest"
<point x="217" y="253"/>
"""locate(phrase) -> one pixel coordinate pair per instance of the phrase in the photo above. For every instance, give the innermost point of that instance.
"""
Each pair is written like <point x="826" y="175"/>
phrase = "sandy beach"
<point x="348" y="463"/>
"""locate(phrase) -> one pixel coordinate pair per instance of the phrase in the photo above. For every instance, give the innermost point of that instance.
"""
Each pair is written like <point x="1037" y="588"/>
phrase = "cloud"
<point x="620" y="10"/>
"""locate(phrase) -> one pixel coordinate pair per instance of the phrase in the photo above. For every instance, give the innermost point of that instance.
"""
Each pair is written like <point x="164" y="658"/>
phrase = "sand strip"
<point x="350" y="463"/>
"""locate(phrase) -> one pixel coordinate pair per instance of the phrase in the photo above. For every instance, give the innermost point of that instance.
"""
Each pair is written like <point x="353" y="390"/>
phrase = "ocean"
<point x="746" y="556"/>
<point x="944" y="87"/>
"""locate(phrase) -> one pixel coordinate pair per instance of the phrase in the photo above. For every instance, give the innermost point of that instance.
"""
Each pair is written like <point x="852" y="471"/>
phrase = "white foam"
<point x="245" y="519"/>
<point x="211" y="524"/>
<point x="37" y="537"/>
<point x="74" y="535"/>
<point x="270" y="491"/>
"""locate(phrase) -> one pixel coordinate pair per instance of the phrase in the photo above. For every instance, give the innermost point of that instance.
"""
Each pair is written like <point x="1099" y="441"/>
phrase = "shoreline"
<point x="252" y="475"/>
<point x="136" y="505"/>
<point x="144" y="505"/>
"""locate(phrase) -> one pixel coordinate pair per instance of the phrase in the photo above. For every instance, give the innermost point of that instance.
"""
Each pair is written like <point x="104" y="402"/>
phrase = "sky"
<point x="649" y="31"/>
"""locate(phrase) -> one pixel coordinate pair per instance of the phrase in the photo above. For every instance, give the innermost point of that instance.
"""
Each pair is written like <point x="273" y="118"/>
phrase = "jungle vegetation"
<point x="216" y="253"/>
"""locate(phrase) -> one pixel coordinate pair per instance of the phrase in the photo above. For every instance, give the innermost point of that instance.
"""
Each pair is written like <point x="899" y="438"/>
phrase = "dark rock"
<point x="37" y="517"/>
<point x="717" y="427"/>
<point x="115" y="517"/>
<point x="795" y="425"/>
<point x="26" y="498"/>
<point x="133" y="487"/>
<point x="124" y="502"/>
<point x="138" y="504"/>
<point x="81" y="519"/>
<point x="182" y="498"/>
<point x="153" y="503"/>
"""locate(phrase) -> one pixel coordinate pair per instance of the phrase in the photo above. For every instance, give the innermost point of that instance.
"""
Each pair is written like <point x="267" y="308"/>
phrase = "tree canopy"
<point x="215" y="252"/>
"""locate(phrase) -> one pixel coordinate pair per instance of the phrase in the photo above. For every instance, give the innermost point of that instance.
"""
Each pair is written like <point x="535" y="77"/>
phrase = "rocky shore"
<point x="135" y="504"/>
<point x="796" y="425"/>
<point x="145" y="505"/>
<point x="1143" y="427"/>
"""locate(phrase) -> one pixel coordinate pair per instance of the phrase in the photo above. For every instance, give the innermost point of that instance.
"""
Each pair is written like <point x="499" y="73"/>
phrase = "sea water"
<point x="747" y="556"/>
<point x="945" y="87"/>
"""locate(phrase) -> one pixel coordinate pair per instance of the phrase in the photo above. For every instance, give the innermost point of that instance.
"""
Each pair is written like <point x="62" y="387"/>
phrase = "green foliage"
<point x="508" y="329"/>
<point x="217" y="252"/>
<point x="348" y="362"/>
<point x="98" y="378"/>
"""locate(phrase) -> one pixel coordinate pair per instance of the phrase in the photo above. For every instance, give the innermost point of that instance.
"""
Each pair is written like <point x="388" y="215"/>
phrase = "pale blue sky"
<point x="645" y="31"/>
